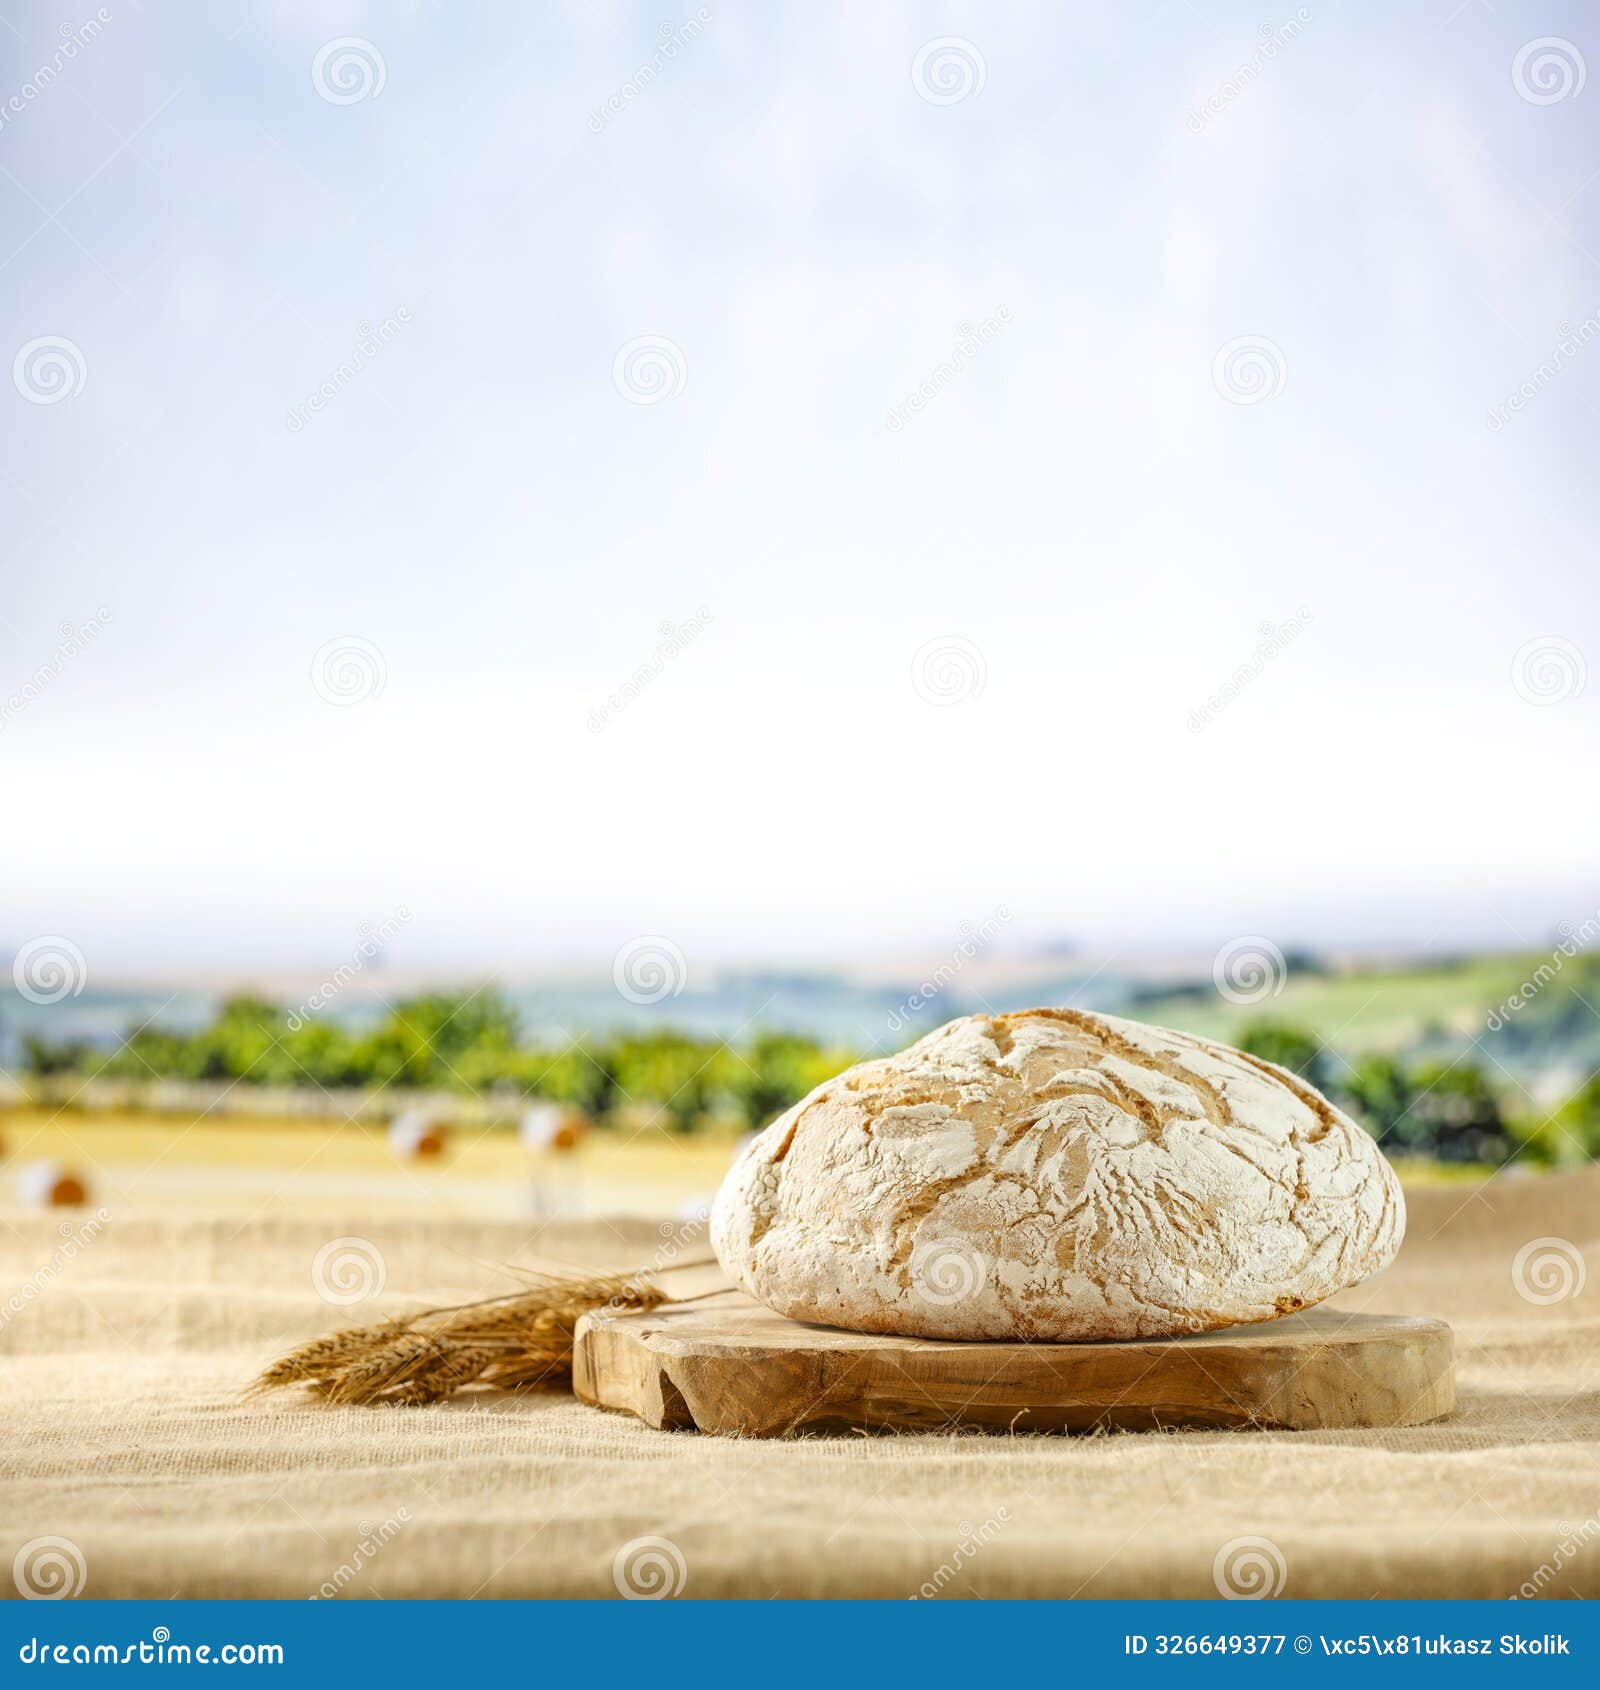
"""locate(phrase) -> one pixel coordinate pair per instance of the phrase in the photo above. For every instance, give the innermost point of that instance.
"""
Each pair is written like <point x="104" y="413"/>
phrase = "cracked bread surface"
<point x="1056" y="1175"/>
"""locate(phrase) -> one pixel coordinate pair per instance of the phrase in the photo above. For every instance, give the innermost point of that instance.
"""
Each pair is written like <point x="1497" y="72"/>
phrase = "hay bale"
<point x="48" y="1185"/>
<point x="547" y="1127"/>
<point x="416" y="1137"/>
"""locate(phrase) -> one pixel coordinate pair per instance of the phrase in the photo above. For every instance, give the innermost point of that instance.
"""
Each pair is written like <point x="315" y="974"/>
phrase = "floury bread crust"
<point x="1056" y="1175"/>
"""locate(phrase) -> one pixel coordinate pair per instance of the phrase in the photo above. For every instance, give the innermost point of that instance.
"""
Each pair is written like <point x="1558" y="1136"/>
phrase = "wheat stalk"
<point x="516" y="1342"/>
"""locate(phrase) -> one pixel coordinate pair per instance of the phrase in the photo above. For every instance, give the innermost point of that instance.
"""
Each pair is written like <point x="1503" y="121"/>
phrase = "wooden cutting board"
<point x="725" y="1364"/>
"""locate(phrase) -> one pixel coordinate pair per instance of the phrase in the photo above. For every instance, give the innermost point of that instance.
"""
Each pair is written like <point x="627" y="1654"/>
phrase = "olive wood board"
<point x="725" y="1364"/>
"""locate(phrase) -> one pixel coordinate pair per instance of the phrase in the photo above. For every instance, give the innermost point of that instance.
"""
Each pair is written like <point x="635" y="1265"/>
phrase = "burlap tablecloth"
<point x="120" y="1432"/>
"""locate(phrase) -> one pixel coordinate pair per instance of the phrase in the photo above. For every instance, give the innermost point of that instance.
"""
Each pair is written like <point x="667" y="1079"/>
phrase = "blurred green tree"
<point x="1379" y="1093"/>
<point x="672" y="1071"/>
<point x="68" y="1056"/>
<point x="776" y="1070"/>
<point x="1456" y="1116"/>
<point x="1293" y="1047"/>
<point x="1577" y="1124"/>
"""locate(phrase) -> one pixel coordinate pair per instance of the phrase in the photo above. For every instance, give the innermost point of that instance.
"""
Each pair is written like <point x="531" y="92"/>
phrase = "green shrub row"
<point x="470" y="1044"/>
<point x="1447" y="1111"/>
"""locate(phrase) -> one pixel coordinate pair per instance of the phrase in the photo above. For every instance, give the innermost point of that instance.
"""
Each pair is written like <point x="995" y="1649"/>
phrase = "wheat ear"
<point x="516" y="1342"/>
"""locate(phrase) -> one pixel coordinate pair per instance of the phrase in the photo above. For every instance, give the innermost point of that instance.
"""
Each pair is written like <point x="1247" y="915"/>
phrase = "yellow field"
<point x="162" y="1163"/>
<point x="166" y="1162"/>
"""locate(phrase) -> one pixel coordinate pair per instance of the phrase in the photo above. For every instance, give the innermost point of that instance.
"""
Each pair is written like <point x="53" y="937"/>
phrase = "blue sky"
<point x="1083" y="530"/>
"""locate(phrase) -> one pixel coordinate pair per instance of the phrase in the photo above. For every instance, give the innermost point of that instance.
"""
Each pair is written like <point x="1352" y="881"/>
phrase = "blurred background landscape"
<point x="628" y="1093"/>
<point x="572" y="570"/>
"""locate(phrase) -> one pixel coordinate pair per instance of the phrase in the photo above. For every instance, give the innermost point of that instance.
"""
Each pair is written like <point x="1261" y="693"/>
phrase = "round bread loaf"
<point x="1057" y="1175"/>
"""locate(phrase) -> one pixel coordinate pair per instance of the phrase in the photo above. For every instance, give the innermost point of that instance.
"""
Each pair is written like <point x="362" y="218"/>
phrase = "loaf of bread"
<point x="1056" y="1175"/>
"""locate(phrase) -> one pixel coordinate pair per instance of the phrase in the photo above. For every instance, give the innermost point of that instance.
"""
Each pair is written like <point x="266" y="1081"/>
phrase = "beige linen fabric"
<point x="121" y="1431"/>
